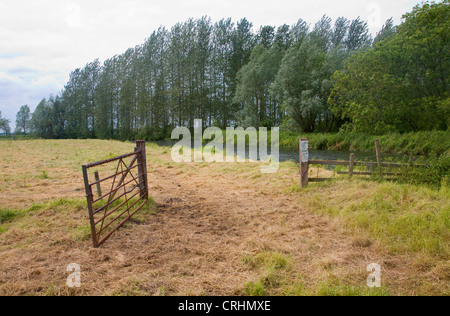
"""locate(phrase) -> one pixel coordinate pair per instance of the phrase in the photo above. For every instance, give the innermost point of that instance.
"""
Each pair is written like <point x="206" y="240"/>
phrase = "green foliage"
<point x="23" y="119"/>
<point x="410" y="144"/>
<point x="436" y="174"/>
<point x="324" y="79"/>
<point x="402" y="83"/>
<point x="434" y="145"/>
<point x="4" y="125"/>
<point x="44" y="175"/>
<point x="255" y="78"/>
<point x="303" y="83"/>
<point x="387" y="30"/>
<point x="48" y="120"/>
<point x="222" y="73"/>
<point x="8" y="215"/>
<point x="16" y="137"/>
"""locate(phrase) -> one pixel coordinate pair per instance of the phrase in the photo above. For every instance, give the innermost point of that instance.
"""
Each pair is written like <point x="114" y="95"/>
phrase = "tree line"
<point x="320" y="78"/>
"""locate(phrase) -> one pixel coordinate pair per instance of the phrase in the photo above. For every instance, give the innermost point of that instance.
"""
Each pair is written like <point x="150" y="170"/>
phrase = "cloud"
<point x="15" y="94"/>
<point x="45" y="81"/>
<point x="42" y="41"/>
<point x="73" y="15"/>
<point x="22" y="85"/>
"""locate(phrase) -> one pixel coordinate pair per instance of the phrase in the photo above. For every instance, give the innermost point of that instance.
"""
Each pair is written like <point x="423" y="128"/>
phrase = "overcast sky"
<point x="42" y="41"/>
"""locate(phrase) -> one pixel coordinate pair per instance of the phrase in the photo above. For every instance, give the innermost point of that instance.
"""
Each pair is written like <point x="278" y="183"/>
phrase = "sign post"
<point x="304" y="166"/>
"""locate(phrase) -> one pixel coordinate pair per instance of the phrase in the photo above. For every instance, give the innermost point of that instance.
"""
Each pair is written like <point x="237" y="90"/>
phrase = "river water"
<point x="292" y="154"/>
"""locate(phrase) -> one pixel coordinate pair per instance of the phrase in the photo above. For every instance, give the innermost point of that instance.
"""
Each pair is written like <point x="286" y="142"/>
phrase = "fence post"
<point x="89" y="197"/>
<point x="304" y="165"/>
<point x="142" y="167"/>
<point x="97" y="179"/>
<point x="378" y="151"/>
<point x="352" y="164"/>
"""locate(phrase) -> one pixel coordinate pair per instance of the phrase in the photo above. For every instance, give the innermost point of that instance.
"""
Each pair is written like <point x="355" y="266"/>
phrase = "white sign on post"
<point x="304" y="149"/>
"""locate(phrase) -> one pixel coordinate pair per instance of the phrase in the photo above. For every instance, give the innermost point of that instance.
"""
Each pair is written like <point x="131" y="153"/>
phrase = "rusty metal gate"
<point x="126" y="191"/>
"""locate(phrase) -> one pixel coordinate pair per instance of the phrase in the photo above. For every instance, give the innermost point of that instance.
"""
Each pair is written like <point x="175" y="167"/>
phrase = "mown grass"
<point x="278" y="277"/>
<point x="130" y="288"/>
<point x="408" y="220"/>
<point x="42" y="218"/>
<point x="397" y="219"/>
<point x="59" y="221"/>
<point x="404" y="218"/>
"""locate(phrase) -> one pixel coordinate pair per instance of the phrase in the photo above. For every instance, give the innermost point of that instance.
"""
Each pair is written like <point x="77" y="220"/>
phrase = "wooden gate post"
<point x="378" y="151"/>
<point x="352" y="165"/>
<point x="304" y="165"/>
<point x="142" y="166"/>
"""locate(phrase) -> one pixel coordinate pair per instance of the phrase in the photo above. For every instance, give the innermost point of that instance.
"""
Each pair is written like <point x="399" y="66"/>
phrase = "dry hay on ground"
<point x="217" y="230"/>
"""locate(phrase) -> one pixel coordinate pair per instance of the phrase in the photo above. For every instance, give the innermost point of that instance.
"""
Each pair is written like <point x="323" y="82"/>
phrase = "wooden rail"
<point x="305" y="162"/>
<point x="361" y="163"/>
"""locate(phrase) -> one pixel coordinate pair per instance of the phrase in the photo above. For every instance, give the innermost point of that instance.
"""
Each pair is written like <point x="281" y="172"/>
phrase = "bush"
<point x="436" y="174"/>
<point x="434" y="143"/>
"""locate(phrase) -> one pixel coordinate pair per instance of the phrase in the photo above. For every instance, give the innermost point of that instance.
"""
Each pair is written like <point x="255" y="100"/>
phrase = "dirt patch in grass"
<point x="215" y="229"/>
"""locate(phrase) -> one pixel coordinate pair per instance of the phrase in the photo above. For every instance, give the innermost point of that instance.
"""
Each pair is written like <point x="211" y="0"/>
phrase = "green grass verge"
<point x="278" y="277"/>
<point x="64" y="220"/>
<point x="404" y="218"/>
<point x="413" y="144"/>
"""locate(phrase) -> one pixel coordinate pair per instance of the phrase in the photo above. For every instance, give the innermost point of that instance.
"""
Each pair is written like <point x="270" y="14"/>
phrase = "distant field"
<point x="216" y="229"/>
<point x="17" y="137"/>
<point x="35" y="171"/>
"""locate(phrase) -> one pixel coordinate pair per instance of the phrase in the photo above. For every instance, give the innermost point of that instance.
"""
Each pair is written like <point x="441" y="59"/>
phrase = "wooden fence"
<point x="305" y="162"/>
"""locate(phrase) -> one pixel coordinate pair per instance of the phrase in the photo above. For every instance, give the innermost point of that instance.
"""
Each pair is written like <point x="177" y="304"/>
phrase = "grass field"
<point x="216" y="229"/>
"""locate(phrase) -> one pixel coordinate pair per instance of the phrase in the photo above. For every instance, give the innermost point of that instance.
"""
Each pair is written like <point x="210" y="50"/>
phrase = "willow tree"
<point x="402" y="83"/>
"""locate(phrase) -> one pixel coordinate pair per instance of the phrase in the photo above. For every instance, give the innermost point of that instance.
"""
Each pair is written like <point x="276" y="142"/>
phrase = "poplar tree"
<point x="23" y="119"/>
